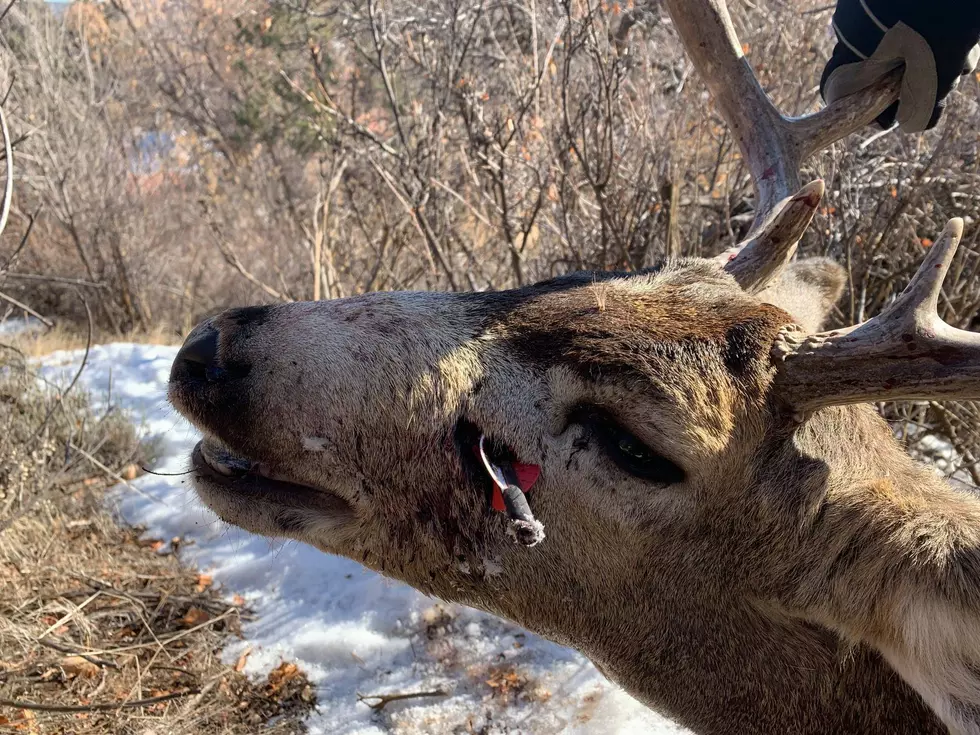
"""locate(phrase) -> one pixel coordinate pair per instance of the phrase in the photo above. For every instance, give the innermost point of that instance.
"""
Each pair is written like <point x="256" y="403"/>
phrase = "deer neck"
<point x="746" y="670"/>
<point x="739" y="666"/>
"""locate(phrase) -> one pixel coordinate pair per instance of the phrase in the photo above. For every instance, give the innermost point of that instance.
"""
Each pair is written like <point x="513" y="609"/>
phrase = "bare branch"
<point x="231" y="258"/>
<point x="32" y="219"/>
<point x="41" y="278"/>
<point x="20" y="305"/>
<point x="6" y="10"/>
<point x="78" y="373"/>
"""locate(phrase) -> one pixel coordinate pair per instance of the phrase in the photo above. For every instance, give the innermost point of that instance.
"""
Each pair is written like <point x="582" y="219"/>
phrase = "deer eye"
<point x="630" y="446"/>
<point x="628" y="451"/>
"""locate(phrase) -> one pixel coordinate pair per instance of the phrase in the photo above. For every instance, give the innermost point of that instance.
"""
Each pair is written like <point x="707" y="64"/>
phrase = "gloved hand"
<point x="936" y="40"/>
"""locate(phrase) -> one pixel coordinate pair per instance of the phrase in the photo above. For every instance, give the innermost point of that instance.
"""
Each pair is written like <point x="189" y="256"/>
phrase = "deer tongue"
<point x="222" y="460"/>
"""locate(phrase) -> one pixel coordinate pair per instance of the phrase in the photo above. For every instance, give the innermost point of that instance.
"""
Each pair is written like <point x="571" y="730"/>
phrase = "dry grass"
<point x="67" y="336"/>
<point x="93" y="616"/>
<point x="102" y="631"/>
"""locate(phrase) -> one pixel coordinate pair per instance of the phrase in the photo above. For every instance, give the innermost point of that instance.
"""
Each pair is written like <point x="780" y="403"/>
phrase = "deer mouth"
<point x="249" y="494"/>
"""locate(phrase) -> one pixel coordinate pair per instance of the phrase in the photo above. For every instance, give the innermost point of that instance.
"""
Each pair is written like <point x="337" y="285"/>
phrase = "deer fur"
<point x="803" y="578"/>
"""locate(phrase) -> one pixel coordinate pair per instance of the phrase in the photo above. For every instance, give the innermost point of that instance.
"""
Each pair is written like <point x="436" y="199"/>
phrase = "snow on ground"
<point x="20" y="325"/>
<point x="350" y="629"/>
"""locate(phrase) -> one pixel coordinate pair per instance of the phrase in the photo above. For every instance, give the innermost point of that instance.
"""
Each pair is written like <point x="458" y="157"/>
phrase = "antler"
<point x="906" y="352"/>
<point x="773" y="146"/>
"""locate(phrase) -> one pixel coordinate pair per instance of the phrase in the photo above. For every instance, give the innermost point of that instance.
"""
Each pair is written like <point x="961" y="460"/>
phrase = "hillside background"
<point x="176" y="157"/>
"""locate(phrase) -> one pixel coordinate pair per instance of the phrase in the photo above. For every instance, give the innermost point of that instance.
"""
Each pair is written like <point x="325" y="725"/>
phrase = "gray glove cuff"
<point x="920" y="83"/>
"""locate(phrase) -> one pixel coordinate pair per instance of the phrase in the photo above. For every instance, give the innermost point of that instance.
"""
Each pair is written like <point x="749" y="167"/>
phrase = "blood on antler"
<point x="773" y="146"/>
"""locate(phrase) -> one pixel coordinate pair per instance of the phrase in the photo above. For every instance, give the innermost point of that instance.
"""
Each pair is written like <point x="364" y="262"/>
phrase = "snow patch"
<point x="20" y="325"/>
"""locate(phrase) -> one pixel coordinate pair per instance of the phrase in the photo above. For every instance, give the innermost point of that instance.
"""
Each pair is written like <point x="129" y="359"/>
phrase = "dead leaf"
<point x="74" y="666"/>
<point x="194" y="616"/>
<point x="506" y="681"/>
<point x="203" y="582"/>
<point x="240" y="663"/>
<point x="23" y="720"/>
<point x="282" y="675"/>
<point x="127" y="631"/>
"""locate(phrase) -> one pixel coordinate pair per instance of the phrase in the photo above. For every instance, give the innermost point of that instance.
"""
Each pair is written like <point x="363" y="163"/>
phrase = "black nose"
<point x="199" y="355"/>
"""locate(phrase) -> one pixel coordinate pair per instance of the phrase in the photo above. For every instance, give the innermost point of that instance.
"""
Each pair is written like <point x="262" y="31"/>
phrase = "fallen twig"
<point x="72" y="652"/>
<point x="162" y="642"/>
<point x="385" y="699"/>
<point x="114" y="475"/>
<point x="95" y="707"/>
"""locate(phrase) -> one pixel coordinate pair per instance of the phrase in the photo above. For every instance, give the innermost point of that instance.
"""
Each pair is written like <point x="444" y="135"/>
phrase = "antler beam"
<point x="774" y="146"/>
<point x="906" y="352"/>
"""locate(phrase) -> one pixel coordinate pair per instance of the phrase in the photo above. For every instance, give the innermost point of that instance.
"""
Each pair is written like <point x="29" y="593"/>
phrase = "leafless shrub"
<point x="191" y="156"/>
<point x="50" y="440"/>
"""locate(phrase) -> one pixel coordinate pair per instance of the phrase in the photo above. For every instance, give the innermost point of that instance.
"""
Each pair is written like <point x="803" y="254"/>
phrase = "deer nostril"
<point x="201" y="346"/>
<point x="198" y="357"/>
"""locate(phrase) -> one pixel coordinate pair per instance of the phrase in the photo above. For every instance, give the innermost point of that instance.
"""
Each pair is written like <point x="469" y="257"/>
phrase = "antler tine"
<point x="758" y="260"/>
<point x="906" y="352"/>
<point x="8" y="189"/>
<point x="772" y="145"/>
<point x="926" y="286"/>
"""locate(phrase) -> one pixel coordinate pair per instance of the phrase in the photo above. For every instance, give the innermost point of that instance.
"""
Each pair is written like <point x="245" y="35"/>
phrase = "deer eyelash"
<point x="626" y="450"/>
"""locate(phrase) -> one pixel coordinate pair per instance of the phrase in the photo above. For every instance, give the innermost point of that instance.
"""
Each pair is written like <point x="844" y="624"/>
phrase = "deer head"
<point x="725" y="533"/>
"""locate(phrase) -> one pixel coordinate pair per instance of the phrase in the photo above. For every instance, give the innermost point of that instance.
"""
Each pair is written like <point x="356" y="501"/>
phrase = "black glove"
<point x="936" y="40"/>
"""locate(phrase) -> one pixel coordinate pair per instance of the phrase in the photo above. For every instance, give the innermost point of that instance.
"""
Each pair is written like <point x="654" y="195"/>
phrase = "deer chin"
<point x="247" y="494"/>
